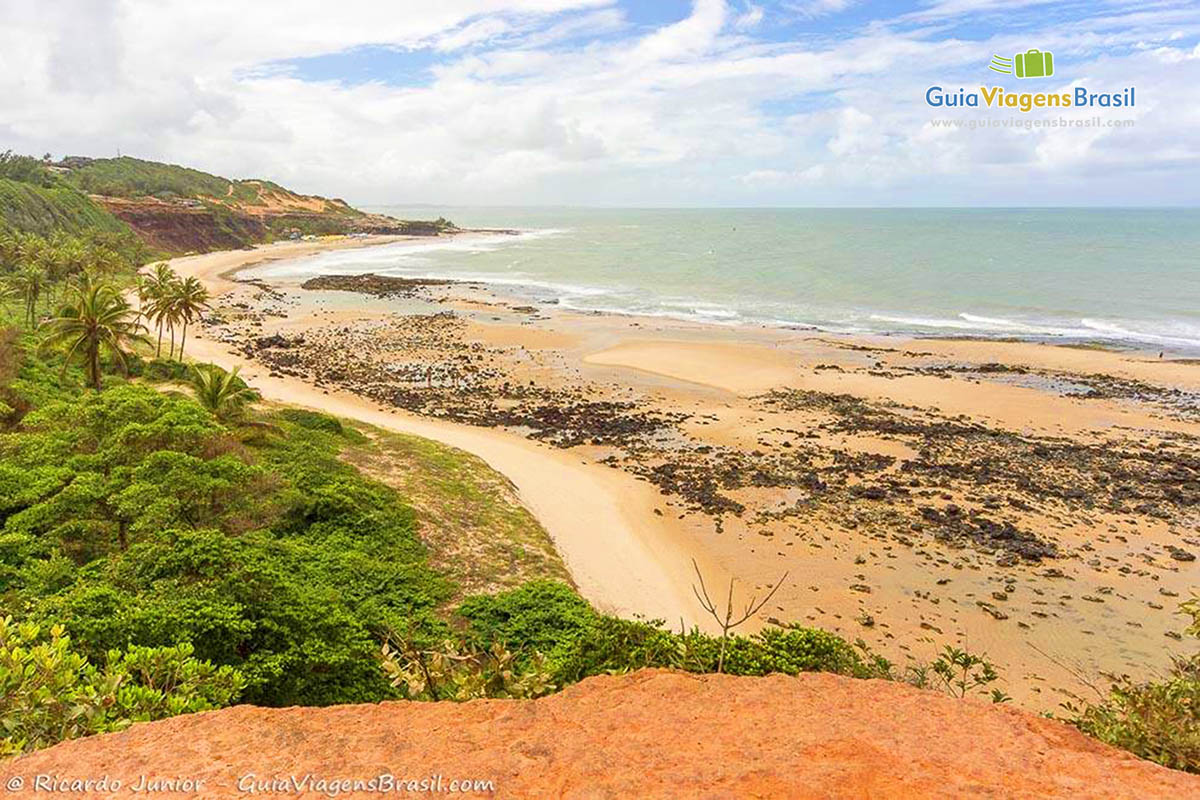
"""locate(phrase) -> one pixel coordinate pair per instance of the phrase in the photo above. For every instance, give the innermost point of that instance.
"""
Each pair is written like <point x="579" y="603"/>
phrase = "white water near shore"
<point x="1125" y="278"/>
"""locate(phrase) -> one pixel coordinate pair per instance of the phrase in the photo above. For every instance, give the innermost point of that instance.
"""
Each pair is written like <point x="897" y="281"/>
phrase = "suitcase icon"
<point x="1034" y="64"/>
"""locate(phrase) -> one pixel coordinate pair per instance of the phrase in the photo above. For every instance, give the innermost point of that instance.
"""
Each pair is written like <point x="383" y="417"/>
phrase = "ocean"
<point x="1125" y="277"/>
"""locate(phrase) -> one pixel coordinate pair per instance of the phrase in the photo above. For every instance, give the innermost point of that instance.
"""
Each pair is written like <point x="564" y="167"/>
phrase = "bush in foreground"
<point x="136" y="517"/>
<point x="1155" y="720"/>
<point x="549" y="618"/>
<point x="49" y="692"/>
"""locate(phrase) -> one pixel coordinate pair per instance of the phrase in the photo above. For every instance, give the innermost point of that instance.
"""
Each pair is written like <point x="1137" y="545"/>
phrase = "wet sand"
<point x="1032" y="502"/>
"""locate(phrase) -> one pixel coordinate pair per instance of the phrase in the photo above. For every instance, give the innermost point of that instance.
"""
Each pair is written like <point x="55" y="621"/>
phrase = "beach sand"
<point x="1032" y="502"/>
<point x="639" y="566"/>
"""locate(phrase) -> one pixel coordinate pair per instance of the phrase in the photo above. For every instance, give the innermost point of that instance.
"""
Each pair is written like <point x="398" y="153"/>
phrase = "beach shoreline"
<point x="622" y="575"/>
<point x="642" y="444"/>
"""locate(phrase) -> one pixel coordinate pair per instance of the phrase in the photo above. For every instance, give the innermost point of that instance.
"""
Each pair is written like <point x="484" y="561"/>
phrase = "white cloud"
<point x="566" y="101"/>
<point x="816" y="8"/>
<point x="749" y="19"/>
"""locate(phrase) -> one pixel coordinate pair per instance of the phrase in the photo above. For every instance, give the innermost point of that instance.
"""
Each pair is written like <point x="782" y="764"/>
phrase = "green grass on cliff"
<point x="201" y="212"/>
<point x="31" y="208"/>
<point x="128" y="177"/>
<point x="468" y="515"/>
<point x="133" y="177"/>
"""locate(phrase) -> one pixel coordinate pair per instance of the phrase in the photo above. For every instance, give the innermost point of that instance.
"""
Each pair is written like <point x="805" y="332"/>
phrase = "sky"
<point x="612" y="102"/>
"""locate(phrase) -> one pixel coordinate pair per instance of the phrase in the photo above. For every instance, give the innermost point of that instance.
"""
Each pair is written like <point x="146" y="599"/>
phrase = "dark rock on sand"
<point x="370" y="283"/>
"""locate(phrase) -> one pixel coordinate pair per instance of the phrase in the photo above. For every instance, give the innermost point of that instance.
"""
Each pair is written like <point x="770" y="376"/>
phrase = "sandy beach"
<point x="635" y="569"/>
<point x="1033" y="502"/>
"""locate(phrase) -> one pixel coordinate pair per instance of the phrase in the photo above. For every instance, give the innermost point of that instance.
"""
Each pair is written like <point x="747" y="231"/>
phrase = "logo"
<point x="1030" y="64"/>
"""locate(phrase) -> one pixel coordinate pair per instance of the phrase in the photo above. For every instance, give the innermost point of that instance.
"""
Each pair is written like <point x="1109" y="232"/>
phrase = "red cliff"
<point x="650" y="734"/>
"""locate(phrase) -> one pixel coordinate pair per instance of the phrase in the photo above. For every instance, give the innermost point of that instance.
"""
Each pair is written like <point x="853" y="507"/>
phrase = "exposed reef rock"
<point x="370" y="283"/>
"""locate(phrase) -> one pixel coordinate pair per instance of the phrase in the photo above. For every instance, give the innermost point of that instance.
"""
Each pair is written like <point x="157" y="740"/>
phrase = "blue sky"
<point x="596" y="102"/>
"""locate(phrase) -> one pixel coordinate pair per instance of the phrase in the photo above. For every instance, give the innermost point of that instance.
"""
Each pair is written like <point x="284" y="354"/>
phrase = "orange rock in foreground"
<point x="647" y="735"/>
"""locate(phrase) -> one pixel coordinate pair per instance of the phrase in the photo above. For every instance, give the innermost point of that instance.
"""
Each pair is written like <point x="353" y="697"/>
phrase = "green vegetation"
<point x="96" y="318"/>
<point x="33" y="200"/>
<point x="475" y="527"/>
<point x="49" y="692"/>
<point x="959" y="673"/>
<point x="458" y="671"/>
<point x="43" y="210"/>
<point x="132" y="177"/>
<point x="36" y="269"/>
<point x="576" y="641"/>
<point x="312" y="420"/>
<point x="174" y="209"/>
<point x="1156" y="720"/>
<point x="223" y="393"/>
<point x="168" y="301"/>
<point x="24" y="169"/>
<point x="186" y="551"/>
<point x="27" y="283"/>
<point x="134" y="517"/>
<point x="45" y="199"/>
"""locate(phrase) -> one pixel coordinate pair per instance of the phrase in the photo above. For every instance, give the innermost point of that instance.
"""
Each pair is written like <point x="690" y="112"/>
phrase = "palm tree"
<point x="103" y="260"/>
<point x="6" y="294"/>
<point x="189" y="300"/>
<point x="221" y="392"/>
<point x="29" y="247"/>
<point x="141" y="293"/>
<point x="96" y="317"/>
<point x="28" y="283"/>
<point x="10" y="249"/>
<point x="159" y="287"/>
<point x="62" y="257"/>
<point x="73" y="259"/>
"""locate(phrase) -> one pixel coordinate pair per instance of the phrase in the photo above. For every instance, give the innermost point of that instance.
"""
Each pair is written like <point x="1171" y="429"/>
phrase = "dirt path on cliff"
<point x="624" y="558"/>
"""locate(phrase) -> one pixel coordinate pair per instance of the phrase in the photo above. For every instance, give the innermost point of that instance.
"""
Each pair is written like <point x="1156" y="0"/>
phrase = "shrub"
<point x="551" y="618"/>
<point x="955" y="671"/>
<point x="458" y="671"/>
<point x="98" y="472"/>
<point x="133" y="517"/>
<point x="160" y="369"/>
<point x="49" y="692"/>
<point x="24" y="169"/>
<point x="790" y="651"/>
<point x="1155" y="720"/>
<point x="312" y="420"/>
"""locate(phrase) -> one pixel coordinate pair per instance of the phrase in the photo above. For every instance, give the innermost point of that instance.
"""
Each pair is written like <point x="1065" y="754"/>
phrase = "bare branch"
<point x="728" y="624"/>
<point x="706" y="603"/>
<point x="752" y="608"/>
<point x="729" y="604"/>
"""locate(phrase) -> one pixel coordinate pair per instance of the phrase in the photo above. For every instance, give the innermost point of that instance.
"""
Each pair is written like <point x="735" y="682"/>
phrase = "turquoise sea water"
<point x="1124" y="276"/>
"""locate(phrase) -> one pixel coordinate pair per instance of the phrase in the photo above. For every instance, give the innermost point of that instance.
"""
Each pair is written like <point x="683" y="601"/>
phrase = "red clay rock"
<point x="647" y="735"/>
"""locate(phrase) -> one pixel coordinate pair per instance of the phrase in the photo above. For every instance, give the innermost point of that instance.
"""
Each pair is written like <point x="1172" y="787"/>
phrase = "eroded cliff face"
<point x="176" y="209"/>
<point x="176" y="228"/>
<point x="650" y="734"/>
<point x="183" y="227"/>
